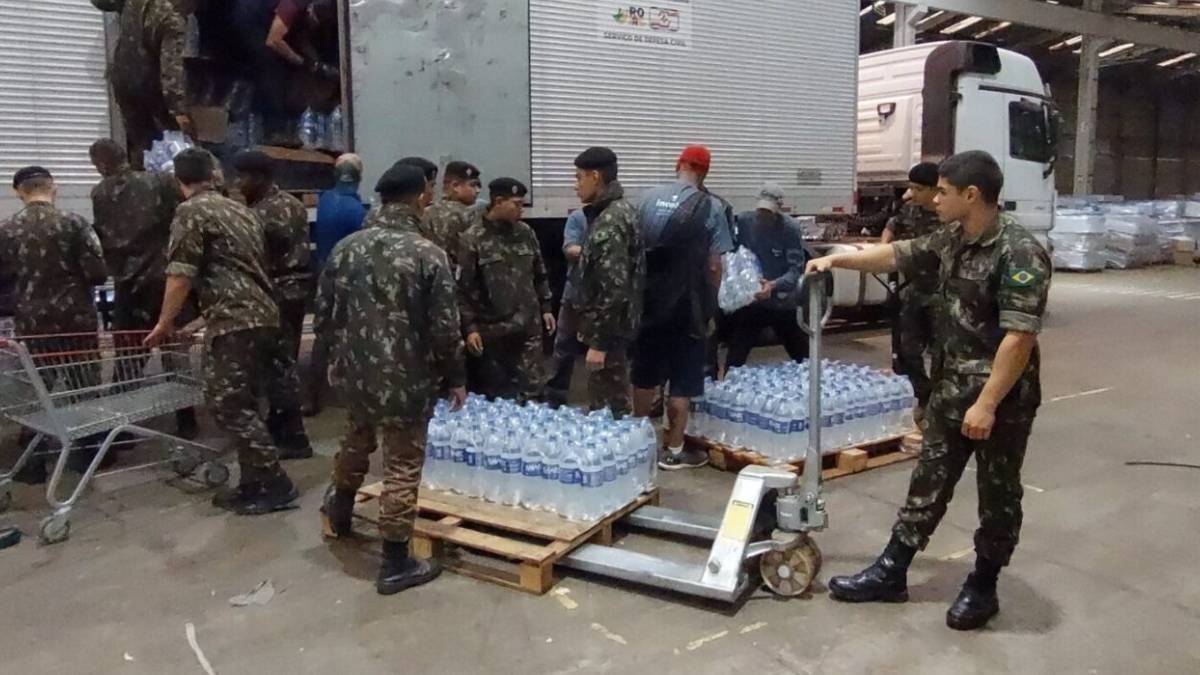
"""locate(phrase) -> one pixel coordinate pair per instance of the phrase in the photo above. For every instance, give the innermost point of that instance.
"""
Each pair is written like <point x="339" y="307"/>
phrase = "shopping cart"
<point x="69" y="391"/>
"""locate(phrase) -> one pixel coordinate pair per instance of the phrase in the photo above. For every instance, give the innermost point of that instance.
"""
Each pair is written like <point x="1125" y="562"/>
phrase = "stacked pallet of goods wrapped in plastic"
<point x="1079" y="235"/>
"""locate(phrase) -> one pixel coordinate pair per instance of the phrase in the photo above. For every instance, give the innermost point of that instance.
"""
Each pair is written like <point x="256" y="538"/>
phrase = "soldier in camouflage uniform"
<point x="146" y="71"/>
<point x="133" y="212"/>
<point x="504" y="299"/>
<point x="387" y="313"/>
<point x="218" y="246"/>
<point x="446" y="220"/>
<point x="285" y="221"/>
<point x="51" y="261"/>
<point x="912" y="328"/>
<point x="611" y="279"/>
<point x="993" y="282"/>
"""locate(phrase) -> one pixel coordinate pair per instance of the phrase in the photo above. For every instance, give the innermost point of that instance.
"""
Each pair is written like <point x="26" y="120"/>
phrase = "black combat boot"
<point x="287" y="431"/>
<point x="400" y="571"/>
<point x="277" y="493"/>
<point x="977" y="602"/>
<point x="235" y="498"/>
<point x="338" y="507"/>
<point x="886" y="580"/>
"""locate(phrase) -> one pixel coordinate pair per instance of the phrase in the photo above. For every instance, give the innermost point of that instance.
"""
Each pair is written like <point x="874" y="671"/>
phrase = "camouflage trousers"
<point x="944" y="455"/>
<point x="291" y="325"/>
<point x="238" y="364"/>
<point x="912" y="336"/>
<point x="511" y="366"/>
<point x="403" y="457"/>
<point x="609" y="386"/>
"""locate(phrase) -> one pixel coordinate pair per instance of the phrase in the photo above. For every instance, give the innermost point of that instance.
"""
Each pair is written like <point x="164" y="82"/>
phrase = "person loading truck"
<point x="146" y="72"/>
<point x="281" y="39"/>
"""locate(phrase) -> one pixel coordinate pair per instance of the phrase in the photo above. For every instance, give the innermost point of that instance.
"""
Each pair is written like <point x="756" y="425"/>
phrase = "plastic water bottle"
<point x="532" y="465"/>
<point x="551" y="465"/>
<point x="337" y="130"/>
<point x="591" y="467"/>
<point x="310" y="129"/>
<point x="571" y="479"/>
<point x="492" y="458"/>
<point x="510" y="490"/>
<point x="456" y="473"/>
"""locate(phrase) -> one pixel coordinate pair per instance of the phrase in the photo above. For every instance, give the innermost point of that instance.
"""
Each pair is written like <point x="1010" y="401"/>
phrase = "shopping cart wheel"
<point x="55" y="528"/>
<point x="790" y="572"/>
<point x="6" y="498"/>
<point x="216" y="474"/>
<point x="185" y="463"/>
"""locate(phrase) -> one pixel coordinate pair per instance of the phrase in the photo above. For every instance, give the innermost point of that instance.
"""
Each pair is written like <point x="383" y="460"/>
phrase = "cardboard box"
<point x="1184" y="258"/>
<point x="1183" y="244"/>
<point x="212" y="123"/>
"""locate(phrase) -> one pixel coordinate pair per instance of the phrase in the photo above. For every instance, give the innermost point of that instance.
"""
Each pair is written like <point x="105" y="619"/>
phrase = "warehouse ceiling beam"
<point x="1069" y="19"/>
<point x="1164" y="11"/>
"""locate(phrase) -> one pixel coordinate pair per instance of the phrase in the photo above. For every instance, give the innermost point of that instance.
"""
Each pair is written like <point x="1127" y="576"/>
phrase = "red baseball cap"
<point x="696" y="156"/>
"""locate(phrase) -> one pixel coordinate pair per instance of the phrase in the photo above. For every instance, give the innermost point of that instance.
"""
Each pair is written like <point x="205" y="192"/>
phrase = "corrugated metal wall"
<point x="53" y="95"/>
<point x="769" y="86"/>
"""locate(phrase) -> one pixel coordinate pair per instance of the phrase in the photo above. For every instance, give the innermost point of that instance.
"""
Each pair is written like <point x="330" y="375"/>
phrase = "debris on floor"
<point x="261" y="595"/>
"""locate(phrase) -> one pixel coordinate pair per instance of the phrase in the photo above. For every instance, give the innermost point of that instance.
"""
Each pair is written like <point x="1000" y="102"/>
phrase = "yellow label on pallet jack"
<point x="738" y="518"/>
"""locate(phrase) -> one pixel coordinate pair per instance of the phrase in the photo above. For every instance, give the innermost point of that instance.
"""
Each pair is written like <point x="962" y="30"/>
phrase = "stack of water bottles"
<point x="764" y="408"/>
<point x="582" y="467"/>
<point x="161" y="155"/>
<point x="740" y="280"/>
<point x="323" y="131"/>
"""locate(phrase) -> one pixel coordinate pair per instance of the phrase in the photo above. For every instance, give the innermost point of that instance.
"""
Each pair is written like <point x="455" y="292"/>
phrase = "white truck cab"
<point x="929" y="101"/>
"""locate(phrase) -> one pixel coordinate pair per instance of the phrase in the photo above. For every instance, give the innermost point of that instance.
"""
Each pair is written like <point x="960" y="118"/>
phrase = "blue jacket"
<point x="340" y="213"/>
<point x="780" y="248"/>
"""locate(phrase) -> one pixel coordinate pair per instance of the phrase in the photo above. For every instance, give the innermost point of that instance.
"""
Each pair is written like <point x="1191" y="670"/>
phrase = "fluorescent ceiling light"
<point x="1178" y="59"/>
<point x="961" y="25"/>
<point x="866" y="10"/>
<point x="931" y="17"/>
<point x="1116" y="50"/>
<point x="1069" y="42"/>
<point x="994" y="29"/>
<point x="887" y="20"/>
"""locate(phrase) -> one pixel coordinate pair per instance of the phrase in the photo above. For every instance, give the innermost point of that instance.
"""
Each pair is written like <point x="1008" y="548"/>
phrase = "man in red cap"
<point x="686" y="230"/>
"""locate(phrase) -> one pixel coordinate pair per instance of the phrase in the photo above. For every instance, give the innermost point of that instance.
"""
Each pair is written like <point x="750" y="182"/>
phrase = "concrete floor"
<point x="1104" y="580"/>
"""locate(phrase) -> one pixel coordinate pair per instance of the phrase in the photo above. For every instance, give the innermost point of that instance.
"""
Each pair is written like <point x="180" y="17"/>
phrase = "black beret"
<point x="596" y="158"/>
<point x="461" y="171"/>
<point x="29" y="173"/>
<point x="253" y="161"/>
<point x="925" y="173"/>
<point x="400" y="181"/>
<point x="428" y="168"/>
<point x="507" y="187"/>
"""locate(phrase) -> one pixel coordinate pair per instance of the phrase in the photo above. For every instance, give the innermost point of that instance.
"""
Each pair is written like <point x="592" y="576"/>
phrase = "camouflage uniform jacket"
<point x="285" y="222"/>
<point x="52" y="262"/>
<point x="386" y="312"/>
<point x="445" y="222"/>
<point x="148" y="55"/>
<point x="502" y="285"/>
<point x="611" y="273"/>
<point x="995" y="284"/>
<point x="913" y="222"/>
<point x="133" y="212"/>
<point x="219" y="244"/>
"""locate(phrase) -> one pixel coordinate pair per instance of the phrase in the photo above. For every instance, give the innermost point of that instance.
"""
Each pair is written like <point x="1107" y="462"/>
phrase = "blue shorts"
<point x="666" y="355"/>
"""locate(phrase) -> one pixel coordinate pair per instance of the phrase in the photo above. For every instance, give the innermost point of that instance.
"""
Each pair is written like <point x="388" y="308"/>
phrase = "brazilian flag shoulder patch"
<point x="1021" y="277"/>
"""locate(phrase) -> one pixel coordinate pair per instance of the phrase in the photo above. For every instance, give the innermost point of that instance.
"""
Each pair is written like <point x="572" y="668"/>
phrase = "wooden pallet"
<point x="833" y="465"/>
<point x="508" y="546"/>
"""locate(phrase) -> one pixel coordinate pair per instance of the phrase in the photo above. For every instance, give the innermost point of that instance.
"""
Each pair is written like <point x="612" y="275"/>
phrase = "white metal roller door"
<point x="53" y="94"/>
<point x="769" y="86"/>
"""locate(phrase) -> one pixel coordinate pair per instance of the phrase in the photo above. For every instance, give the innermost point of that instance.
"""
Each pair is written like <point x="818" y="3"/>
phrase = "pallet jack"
<point x="788" y="558"/>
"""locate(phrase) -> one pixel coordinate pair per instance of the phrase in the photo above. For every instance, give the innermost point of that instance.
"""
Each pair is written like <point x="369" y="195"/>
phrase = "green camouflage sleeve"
<point x="915" y="257"/>
<point x="469" y="300"/>
<point x="541" y="279"/>
<point x="186" y="249"/>
<point x="1024" y="287"/>
<point x="325" y="313"/>
<point x="445" y="322"/>
<point x="610" y="269"/>
<point x="89" y="253"/>
<point x="172" y="33"/>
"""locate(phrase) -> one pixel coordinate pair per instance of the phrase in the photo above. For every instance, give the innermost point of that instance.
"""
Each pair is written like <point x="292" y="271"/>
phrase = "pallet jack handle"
<point x="815" y="291"/>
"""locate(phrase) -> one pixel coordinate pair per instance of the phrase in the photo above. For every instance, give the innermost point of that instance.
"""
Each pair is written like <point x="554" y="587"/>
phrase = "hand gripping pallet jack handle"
<point x="788" y="560"/>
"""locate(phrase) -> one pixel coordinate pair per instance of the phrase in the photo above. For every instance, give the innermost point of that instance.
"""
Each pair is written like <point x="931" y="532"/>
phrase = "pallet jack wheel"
<point x="790" y="572"/>
<point x="216" y="474"/>
<point x="55" y="528"/>
<point x="185" y="463"/>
